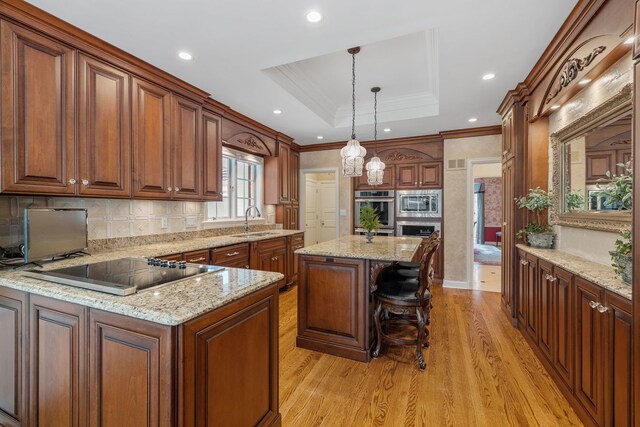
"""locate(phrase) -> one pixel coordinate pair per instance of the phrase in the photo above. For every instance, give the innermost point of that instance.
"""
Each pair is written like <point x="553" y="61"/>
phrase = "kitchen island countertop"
<point x="382" y="248"/>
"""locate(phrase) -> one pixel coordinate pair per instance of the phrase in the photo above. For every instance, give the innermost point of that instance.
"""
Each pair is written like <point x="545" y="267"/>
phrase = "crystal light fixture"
<point x="353" y="154"/>
<point x="375" y="167"/>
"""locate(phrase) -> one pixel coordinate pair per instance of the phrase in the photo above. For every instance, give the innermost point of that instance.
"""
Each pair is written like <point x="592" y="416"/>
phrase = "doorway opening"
<point x="319" y="205"/>
<point x="485" y="236"/>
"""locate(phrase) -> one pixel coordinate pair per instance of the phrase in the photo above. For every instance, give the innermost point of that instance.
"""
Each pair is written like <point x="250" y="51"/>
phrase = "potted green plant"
<point x="539" y="235"/>
<point x="370" y="221"/>
<point x="619" y="190"/>
<point x="622" y="257"/>
<point x="574" y="200"/>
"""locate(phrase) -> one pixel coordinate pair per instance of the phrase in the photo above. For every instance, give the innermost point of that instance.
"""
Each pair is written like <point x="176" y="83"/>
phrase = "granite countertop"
<point x="599" y="274"/>
<point x="172" y="304"/>
<point x="382" y="249"/>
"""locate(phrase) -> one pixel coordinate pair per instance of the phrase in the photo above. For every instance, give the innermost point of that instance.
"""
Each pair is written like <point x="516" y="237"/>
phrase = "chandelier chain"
<point x="353" y="96"/>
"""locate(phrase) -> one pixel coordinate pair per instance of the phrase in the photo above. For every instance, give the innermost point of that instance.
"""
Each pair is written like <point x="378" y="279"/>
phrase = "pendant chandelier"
<point x="353" y="154"/>
<point x="375" y="167"/>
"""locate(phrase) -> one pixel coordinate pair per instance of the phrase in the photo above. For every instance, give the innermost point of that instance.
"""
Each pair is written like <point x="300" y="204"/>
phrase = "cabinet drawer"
<point x="197" y="257"/>
<point x="172" y="257"/>
<point x="231" y="256"/>
<point x="297" y="239"/>
<point x="271" y="244"/>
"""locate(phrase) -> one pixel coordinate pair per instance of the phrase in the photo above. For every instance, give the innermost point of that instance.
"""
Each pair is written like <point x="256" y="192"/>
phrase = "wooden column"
<point x="636" y="217"/>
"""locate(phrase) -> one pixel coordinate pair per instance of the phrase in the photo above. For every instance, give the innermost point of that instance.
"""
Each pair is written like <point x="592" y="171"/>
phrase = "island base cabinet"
<point x="230" y="364"/>
<point x="130" y="371"/>
<point x="333" y="306"/>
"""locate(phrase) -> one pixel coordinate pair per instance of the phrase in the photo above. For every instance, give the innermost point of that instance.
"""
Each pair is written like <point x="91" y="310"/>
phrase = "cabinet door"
<point x="563" y="326"/>
<point x="508" y="130"/>
<point x="533" y="299"/>
<point x="295" y="217"/>
<point x="598" y="164"/>
<point x="547" y="283"/>
<point x="58" y="356"/>
<point x="430" y="175"/>
<point x="406" y="176"/>
<point x="618" y="361"/>
<point x="13" y="357"/>
<point x="589" y="349"/>
<point x="287" y="217"/>
<point x="212" y="146"/>
<point x="284" y="163"/>
<point x="507" y="237"/>
<point x="388" y="180"/>
<point x="279" y="264"/>
<point x="131" y="364"/>
<point x="104" y="138"/>
<point x="38" y="114"/>
<point x="522" y="288"/>
<point x="265" y="261"/>
<point x="151" y="141"/>
<point x="295" y="178"/>
<point x="186" y="147"/>
<point x="173" y="257"/>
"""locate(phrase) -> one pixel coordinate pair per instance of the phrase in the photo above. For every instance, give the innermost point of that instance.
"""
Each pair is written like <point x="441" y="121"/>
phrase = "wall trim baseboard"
<point x="454" y="284"/>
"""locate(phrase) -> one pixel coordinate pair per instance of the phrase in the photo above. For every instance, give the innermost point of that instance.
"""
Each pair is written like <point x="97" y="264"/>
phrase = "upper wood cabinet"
<point x="407" y="176"/>
<point x="419" y="175"/>
<point x="294" y="171"/>
<point x="284" y="166"/>
<point x="508" y="136"/>
<point x="186" y="149"/>
<point x="212" y="155"/>
<point x="104" y="136"/>
<point x="38" y="114"/>
<point x="151" y="140"/>
<point x="388" y="180"/>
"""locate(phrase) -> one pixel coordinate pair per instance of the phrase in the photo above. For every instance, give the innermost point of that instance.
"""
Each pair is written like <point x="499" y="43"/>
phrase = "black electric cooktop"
<point x="123" y="276"/>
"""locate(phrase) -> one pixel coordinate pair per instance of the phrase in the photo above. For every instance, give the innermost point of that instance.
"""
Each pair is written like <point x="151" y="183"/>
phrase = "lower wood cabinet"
<point x="582" y="334"/>
<point x="333" y="307"/>
<point x="271" y="255"/>
<point x="294" y="243"/>
<point x="236" y="256"/>
<point x="89" y="367"/>
<point x="197" y="257"/>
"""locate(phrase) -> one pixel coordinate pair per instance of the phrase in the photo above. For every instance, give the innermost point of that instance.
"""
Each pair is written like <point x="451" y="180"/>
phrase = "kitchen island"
<point x="336" y="281"/>
<point x="201" y="351"/>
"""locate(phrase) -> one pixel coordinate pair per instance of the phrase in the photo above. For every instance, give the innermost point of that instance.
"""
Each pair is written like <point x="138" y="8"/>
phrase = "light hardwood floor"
<point x="480" y="372"/>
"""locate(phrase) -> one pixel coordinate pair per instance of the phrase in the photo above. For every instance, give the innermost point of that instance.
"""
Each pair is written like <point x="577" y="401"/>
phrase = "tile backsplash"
<point x="112" y="218"/>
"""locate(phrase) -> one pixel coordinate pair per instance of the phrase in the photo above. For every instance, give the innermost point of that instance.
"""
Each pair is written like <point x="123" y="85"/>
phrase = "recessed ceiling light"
<point x="629" y="40"/>
<point x="584" y="81"/>
<point x="488" y="76"/>
<point x="277" y="111"/>
<point x="185" y="55"/>
<point x="387" y="129"/>
<point x="555" y="107"/>
<point x="314" y="16"/>
<point x="473" y="119"/>
<point x="320" y="137"/>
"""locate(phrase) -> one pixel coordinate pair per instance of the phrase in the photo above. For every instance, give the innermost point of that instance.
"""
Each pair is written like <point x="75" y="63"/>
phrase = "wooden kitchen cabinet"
<point x="522" y="286"/>
<point x="151" y="107"/>
<point x="186" y="149"/>
<point x="546" y="284"/>
<point x="212" y="156"/>
<point x="236" y="256"/>
<point x="104" y="130"/>
<point x="277" y="179"/>
<point x="294" y="177"/>
<point x="57" y="365"/>
<point x="39" y="112"/>
<point x="294" y="243"/>
<point x="272" y="256"/>
<point x="388" y="180"/>
<point x="14" y="383"/>
<point x="172" y="257"/>
<point x="508" y="136"/>
<point x="508" y="273"/>
<point x="430" y="175"/>
<point x="563" y="326"/>
<point x="406" y="176"/>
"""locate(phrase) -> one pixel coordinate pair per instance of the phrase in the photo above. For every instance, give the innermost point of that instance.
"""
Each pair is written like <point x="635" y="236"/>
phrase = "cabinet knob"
<point x="246" y="266"/>
<point x="524" y="262"/>
<point x="176" y="189"/>
<point x="72" y="181"/>
<point x="601" y="308"/>
<point x="169" y="189"/>
<point x="552" y="278"/>
<point x="85" y="182"/>
<point x="593" y="304"/>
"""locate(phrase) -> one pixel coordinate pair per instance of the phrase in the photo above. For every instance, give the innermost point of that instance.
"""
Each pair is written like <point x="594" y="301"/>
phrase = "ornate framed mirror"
<point x="583" y="152"/>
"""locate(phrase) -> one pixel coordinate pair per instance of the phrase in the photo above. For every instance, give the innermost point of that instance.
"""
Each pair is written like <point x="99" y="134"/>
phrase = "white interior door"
<point x="327" y="210"/>
<point x="310" y="212"/>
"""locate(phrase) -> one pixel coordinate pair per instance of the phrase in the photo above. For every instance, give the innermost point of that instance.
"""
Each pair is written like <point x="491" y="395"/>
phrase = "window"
<point x="241" y="185"/>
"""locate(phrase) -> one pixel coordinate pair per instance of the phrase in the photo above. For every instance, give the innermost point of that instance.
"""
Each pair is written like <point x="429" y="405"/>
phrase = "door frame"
<point x="303" y="180"/>
<point x="470" y="200"/>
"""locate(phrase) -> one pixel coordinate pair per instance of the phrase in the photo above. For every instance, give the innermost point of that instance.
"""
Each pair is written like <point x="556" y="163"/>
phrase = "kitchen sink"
<point x="269" y="233"/>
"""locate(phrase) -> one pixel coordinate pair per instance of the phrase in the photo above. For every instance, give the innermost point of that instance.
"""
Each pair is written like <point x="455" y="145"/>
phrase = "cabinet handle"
<point x="233" y="253"/>
<point x="72" y="181"/>
<point x="176" y="189"/>
<point x="524" y="262"/>
<point x="593" y="304"/>
<point x="169" y="189"/>
<point x="601" y="308"/>
<point x="196" y="259"/>
<point x="246" y="266"/>
<point x="552" y="278"/>
<point x="415" y="183"/>
<point x="85" y="182"/>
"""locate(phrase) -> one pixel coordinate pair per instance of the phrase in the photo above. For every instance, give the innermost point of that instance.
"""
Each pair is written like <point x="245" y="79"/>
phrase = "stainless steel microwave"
<point x="419" y="204"/>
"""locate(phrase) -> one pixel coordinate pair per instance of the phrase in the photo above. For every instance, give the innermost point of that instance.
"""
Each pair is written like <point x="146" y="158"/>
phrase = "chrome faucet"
<point x="246" y="217"/>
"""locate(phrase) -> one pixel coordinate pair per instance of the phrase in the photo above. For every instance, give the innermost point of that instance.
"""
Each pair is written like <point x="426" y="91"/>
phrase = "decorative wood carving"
<point x="425" y="153"/>
<point x="397" y="156"/>
<point x="374" y="269"/>
<point x="603" y="221"/>
<point x="249" y="142"/>
<point x="572" y="68"/>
